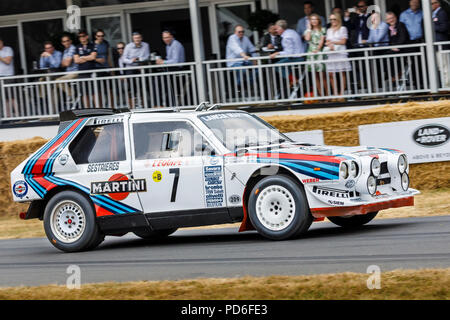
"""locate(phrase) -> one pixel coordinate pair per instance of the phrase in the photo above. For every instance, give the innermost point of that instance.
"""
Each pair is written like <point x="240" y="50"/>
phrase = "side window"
<point x="155" y="140"/>
<point x="102" y="143"/>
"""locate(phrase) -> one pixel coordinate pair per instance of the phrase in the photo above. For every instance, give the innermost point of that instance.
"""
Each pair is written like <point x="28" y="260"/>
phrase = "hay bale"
<point x="12" y="153"/>
<point x="339" y="128"/>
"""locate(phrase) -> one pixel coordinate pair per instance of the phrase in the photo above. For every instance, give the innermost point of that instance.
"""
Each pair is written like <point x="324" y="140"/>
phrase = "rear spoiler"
<point x="66" y="117"/>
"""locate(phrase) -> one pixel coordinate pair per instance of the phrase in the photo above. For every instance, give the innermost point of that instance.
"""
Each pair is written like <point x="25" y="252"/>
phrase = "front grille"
<point x="384" y="168"/>
<point x="383" y="181"/>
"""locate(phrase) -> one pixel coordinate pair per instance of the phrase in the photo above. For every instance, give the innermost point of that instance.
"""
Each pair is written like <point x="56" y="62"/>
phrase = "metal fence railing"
<point x="306" y="78"/>
<point x="364" y="72"/>
<point x="45" y="95"/>
<point x="443" y="63"/>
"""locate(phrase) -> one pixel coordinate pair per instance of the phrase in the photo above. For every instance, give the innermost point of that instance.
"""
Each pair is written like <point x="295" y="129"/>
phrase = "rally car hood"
<point x="352" y="152"/>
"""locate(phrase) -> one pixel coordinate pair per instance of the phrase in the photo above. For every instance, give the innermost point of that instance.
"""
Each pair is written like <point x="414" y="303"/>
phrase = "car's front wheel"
<point x="353" y="221"/>
<point x="69" y="222"/>
<point x="278" y="208"/>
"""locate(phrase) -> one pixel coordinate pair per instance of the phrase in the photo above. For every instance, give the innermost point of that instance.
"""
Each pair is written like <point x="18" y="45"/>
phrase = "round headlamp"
<point x="405" y="181"/>
<point x="353" y="169"/>
<point x="375" y="167"/>
<point x="343" y="170"/>
<point x="372" y="185"/>
<point x="402" y="163"/>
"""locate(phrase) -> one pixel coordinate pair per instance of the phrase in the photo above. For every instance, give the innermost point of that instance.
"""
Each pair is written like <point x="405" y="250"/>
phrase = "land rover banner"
<point x="422" y="140"/>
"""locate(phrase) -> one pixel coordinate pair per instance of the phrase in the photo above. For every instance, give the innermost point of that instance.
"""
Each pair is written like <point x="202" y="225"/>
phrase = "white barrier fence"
<point x="368" y="72"/>
<point x="45" y="95"/>
<point x="306" y="78"/>
<point x="443" y="62"/>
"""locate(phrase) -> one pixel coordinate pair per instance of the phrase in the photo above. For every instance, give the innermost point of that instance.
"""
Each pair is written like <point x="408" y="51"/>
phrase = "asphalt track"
<point x="326" y="248"/>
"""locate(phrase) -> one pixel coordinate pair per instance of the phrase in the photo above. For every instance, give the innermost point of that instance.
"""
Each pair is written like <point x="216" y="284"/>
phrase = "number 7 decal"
<point x="175" y="171"/>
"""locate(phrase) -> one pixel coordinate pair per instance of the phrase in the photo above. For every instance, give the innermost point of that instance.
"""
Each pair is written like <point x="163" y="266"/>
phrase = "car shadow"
<point x="213" y="236"/>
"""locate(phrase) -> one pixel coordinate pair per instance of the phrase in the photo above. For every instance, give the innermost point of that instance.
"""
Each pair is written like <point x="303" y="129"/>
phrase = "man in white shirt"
<point x="6" y="60"/>
<point x="7" y="70"/>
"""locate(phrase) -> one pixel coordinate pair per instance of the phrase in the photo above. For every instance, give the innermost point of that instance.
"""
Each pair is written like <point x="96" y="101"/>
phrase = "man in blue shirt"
<point x="240" y="46"/>
<point x="136" y="51"/>
<point x="50" y="58"/>
<point x="174" y="50"/>
<point x="303" y="23"/>
<point x="413" y="20"/>
<point x="378" y="32"/>
<point x="103" y="59"/>
<point x="69" y="65"/>
<point x="291" y="43"/>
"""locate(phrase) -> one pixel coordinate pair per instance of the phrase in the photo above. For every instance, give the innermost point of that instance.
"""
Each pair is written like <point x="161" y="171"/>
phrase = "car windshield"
<point x="240" y="130"/>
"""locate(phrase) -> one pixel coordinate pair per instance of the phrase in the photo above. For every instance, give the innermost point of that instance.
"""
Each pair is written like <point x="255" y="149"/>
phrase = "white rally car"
<point x="111" y="172"/>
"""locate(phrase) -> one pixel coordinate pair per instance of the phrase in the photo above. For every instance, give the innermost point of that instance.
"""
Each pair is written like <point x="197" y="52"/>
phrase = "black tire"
<point x="72" y="205"/>
<point x="293" y="210"/>
<point x="354" y="221"/>
<point x="148" y="234"/>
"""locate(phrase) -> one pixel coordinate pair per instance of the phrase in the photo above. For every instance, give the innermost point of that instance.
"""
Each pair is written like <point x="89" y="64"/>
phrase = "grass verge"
<point x="429" y="203"/>
<point x="432" y="284"/>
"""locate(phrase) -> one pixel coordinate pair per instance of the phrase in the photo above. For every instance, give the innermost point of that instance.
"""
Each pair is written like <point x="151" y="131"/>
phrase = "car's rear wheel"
<point x="147" y="233"/>
<point x="353" y="221"/>
<point x="69" y="222"/>
<point x="278" y="208"/>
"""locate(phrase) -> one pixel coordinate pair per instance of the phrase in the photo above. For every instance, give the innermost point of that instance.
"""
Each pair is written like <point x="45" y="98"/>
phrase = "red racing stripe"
<point x="40" y="163"/>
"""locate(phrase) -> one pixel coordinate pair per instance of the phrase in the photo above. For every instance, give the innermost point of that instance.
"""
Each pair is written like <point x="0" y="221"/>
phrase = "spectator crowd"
<point x="344" y="29"/>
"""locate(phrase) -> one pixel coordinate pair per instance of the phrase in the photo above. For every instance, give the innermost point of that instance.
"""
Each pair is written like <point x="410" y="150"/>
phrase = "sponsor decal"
<point x="234" y="199"/>
<point x="118" y="187"/>
<point x="63" y="159"/>
<point x="431" y="135"/>
<point x="220" y="116"/>
<point x="333" y="193"/>
<point x="103" y="167"/>
<point x="350" y="184"/>
<point x="107" y="121"/>
<point x="20" y="189"/>
<point x="213" y="161"/>
<point x="167" y="163"/>
<point x="310" y="180"/>
<point x="367" y="153"/>
<point x="157" y="176"/>
<point x="336" y="203"/>
<point x="214" y="190"/>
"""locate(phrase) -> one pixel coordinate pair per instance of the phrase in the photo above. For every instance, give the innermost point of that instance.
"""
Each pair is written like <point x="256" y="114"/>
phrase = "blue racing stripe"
<point x="310" y="172"/>
<point x="117" y="206"/>
<point x="35" y="186"/>
<point x="49" y="163"/>
<point x="30" y="163"/>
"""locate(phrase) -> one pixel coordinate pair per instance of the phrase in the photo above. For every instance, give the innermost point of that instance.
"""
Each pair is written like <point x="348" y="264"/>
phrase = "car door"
<point x="164" y="155"/>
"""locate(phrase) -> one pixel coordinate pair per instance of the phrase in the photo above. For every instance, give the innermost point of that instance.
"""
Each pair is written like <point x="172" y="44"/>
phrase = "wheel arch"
<point x="255" y="177"/>
<point x="37" y="207"/>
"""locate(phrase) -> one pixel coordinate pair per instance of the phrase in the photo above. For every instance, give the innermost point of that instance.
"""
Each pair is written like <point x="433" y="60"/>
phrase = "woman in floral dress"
<point x="315" y="36"/>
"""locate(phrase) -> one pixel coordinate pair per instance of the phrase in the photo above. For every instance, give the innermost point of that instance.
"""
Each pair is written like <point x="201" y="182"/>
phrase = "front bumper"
<point x="379" y="203"/>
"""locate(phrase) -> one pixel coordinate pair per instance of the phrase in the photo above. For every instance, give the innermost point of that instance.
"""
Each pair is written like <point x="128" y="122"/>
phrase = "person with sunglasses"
<point x="69" y="65"/>
<point x="358" y="24"/>
<point x="240" y="46"/>
<point x="118" y="56"/>
<point x="103" y="59"/>
<point x="85" y="54"/>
